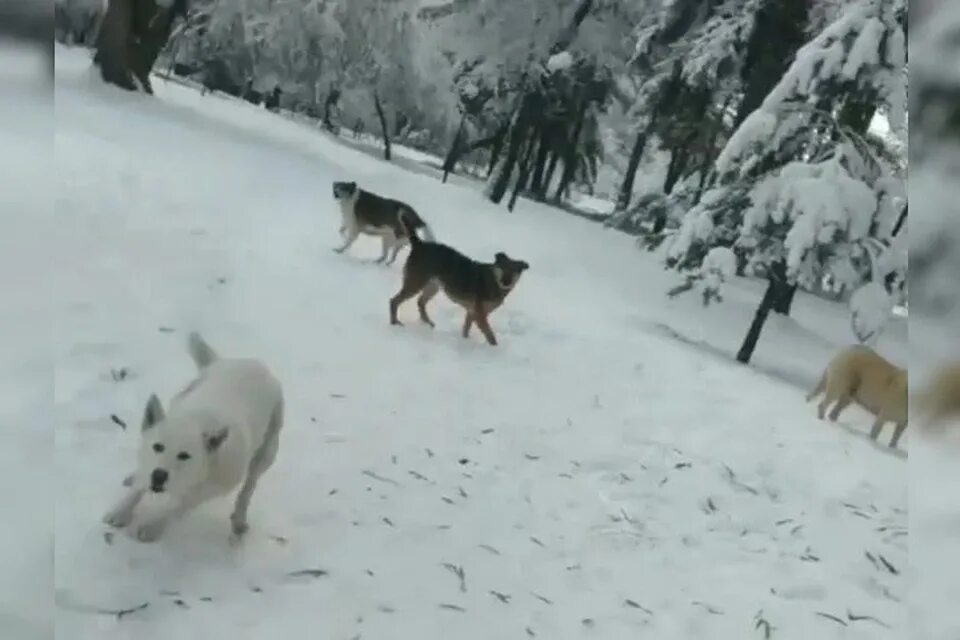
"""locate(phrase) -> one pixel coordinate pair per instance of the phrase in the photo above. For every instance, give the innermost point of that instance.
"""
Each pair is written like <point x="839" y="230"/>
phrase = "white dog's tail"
<point x="202" y="353"/>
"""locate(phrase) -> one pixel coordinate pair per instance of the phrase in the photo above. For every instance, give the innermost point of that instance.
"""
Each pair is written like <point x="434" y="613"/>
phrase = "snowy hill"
<point x="604" y="473"/>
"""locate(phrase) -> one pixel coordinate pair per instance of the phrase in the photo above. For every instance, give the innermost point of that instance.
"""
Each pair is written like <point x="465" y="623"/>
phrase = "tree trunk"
<point x="525" y="166"/>
<point x="678" y="165"/>
<point x="450" y="162"/>
<point x="537" y="186"/>
<point x="551" y="168"/>
<point x="518" y="135"/>
<point x="132" y="33"/>
<point x="570" y="155"/>
<point x="900" y="221"/>
<point x="636" y="154"/>
<point x="499" y="139"/>
<point x="785" y="302"/>
<point x="776" y="288"/>
<point x="383" y="125"/>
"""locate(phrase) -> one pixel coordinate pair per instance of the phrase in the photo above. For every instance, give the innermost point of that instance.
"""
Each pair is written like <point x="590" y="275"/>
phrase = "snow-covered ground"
<point x="606" y="472"/>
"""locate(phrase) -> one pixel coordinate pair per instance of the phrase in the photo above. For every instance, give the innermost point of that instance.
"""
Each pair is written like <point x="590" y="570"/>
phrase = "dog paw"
<point x="238" y="530"/>
<point x="117" y="519"/>
<point x="128" y="481"/>
<point x="150" y="532"/>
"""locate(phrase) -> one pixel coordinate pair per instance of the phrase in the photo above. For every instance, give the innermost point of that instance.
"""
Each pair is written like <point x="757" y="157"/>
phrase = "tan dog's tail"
<point x="821" y="385"/>
<point x="201" y="352"/>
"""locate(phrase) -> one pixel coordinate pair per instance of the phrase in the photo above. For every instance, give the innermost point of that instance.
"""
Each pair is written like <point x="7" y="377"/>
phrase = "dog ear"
<point x="152" y="414"/>
<point x="500" y="257"/>
<point x="212" y="441"/>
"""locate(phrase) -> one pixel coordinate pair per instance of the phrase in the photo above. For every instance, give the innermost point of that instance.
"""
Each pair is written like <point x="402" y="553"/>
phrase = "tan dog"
<point x="859" y="374"/>
<point x="941" y="400"/>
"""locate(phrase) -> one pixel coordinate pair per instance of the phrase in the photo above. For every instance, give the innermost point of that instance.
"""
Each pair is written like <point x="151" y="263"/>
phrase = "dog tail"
<point x="409" y="220"/>
<point x="821" y="385"/>
<point x="201" y="352"/>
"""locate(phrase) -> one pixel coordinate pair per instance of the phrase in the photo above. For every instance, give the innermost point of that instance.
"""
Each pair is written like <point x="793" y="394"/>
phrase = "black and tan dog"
<point x="476" y="286"/>
<point x="368" y="213"/>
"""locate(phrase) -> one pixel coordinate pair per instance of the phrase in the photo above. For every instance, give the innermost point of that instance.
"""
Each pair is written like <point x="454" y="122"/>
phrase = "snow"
<point x="560" y="61"/>
<point x="608" y="470"/>
<point x="871" y="309"/>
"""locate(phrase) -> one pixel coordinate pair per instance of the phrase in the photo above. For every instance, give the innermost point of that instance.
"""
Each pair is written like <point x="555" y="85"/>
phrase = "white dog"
<point x="222" y="430"/>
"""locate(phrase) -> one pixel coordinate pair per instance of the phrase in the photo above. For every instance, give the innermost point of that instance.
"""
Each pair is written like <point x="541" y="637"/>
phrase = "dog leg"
<point x="877" y="427"/>
<point x="350" y="236"/>
<point x="897" y="432"/>
<point x="398" y="243"/>
<point x="467" y="323"/>
<point x="259" y="463"/>
<point x="426" y="295"/>
<point x="481" y="319"/>
<point x="151" y="530"/>
<point x="842" y="403"/>
<point x="386" y="243"/>
<point x="122" y="513"/>
<point x="412" y="285"/>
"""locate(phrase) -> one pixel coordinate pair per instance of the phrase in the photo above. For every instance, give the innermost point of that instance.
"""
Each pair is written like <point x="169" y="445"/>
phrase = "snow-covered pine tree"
<point x="692" y="56"/>
<point x="804" y="190"/>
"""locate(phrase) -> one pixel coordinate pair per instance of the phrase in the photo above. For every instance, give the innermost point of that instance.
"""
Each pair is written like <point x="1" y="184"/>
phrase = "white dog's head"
<point x="175" y="451"/>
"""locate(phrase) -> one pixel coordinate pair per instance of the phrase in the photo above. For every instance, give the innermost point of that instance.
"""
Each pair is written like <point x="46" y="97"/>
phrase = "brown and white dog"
<point x="478" y="287"/>
<point x="859" y="374"/>
<point x="367" y="213"/>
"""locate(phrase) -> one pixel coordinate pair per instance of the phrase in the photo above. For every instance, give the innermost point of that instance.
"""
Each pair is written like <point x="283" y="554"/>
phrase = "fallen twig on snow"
<point x="458" y="571"/>
<point x="117" y="421"/>
<point x="636" y="605"/>
<point x="832" y="617"/>
<point x="380" y="478"/>
<point x="763" y="624"/>
<point x="308" y="573"/>
<point x="502" y="597"/>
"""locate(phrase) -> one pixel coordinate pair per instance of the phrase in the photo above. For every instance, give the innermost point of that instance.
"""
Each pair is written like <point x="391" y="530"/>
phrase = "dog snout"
<point x="158" y="479"/>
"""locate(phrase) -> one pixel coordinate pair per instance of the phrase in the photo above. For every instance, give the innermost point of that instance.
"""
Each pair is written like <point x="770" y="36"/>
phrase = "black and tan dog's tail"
<point x="410" y="222"/>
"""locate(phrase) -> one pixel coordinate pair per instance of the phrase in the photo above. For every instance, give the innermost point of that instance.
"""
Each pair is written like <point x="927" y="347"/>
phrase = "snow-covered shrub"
<point x="871" y="309"/>
<point x="719" y="267"/>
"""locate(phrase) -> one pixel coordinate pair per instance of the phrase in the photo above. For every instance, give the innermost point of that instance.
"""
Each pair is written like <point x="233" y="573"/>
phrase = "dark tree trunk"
<point x="570" y="155"/>
<point x="785" y="301"/>
<point x="900" y="221"/>
<point x="383" y="125"/>
<point x="551" y="169"/>
<point x="331" y="101"/>
<point x="777" y="288"/>
<point x="450" y="162"/>
<point x="498" y="140"/>
<point x="132" y="34"/>
<point x="537" y="186"/>
<point x="525" y="166"/>
<point x="678" y="165"/>
<point x="636" y="154"/>
<point x="518" y="136"/>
